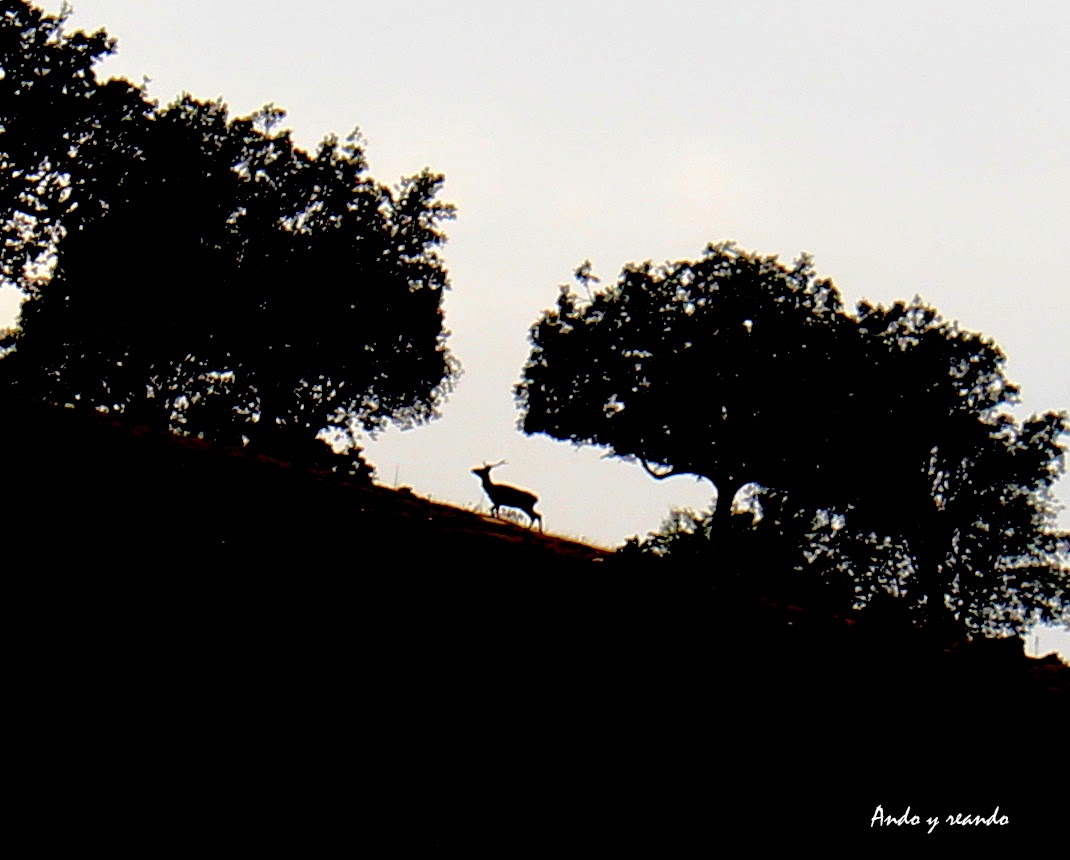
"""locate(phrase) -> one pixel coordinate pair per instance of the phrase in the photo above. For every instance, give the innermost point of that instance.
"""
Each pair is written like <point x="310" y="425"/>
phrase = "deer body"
<point x="505" y="496"/>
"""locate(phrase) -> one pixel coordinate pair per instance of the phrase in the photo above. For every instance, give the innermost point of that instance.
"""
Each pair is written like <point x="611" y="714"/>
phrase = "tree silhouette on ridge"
<point x="876" y="447"/>
<point x="202" y="273"/>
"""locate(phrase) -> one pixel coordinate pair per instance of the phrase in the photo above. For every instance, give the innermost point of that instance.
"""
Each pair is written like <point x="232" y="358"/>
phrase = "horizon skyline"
<point x="913" y="151"/>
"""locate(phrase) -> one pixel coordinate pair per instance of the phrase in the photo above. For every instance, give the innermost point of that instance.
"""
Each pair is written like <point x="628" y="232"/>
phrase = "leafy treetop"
<point x="202" y="272"/>
<point x="876" y="447"/>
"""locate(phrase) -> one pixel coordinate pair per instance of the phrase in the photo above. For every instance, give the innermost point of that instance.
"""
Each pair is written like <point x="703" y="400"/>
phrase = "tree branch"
<point x="657" y="475"/>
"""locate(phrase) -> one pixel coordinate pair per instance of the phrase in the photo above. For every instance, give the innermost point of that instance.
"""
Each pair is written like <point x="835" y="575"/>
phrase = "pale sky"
<point x="913" y="148"/>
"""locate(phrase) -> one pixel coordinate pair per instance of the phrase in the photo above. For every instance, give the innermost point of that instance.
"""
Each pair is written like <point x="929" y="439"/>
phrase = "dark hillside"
<point x="230" y="640"/>
<point x="162" y="503"/>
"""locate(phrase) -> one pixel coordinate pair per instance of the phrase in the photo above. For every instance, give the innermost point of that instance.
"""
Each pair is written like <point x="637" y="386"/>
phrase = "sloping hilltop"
<point x="324" y="660"/>
<point x="165" y="502"/>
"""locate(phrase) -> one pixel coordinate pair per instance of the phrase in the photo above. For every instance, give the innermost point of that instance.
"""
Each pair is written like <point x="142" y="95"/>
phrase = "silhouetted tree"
<point x="202" y="272"/>
<point x="875" y="448"/>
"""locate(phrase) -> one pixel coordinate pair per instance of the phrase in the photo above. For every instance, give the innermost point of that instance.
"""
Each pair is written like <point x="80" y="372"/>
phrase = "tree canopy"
<point x="202" y="272"/>
<point x="877" y="448"/>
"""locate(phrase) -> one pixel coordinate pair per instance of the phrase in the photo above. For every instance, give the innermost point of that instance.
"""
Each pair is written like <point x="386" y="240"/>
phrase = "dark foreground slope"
<point x="215" y="648"/>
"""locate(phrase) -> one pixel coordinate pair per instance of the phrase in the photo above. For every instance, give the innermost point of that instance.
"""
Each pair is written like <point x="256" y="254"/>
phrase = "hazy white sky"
<point x="913" y="148"/>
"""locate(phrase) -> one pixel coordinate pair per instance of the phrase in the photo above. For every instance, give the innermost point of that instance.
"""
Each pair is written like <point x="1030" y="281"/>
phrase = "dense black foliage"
<point x="445" y="680"/>
<point x="874" y="448"/>
<point x="200" y="272"/>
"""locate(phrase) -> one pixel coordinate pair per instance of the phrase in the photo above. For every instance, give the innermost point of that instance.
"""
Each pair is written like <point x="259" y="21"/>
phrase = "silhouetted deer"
<point x="504" y="496"/>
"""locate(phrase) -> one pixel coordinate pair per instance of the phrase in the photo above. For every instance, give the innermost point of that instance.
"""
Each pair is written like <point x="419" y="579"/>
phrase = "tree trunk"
<point x="722" y="514"/>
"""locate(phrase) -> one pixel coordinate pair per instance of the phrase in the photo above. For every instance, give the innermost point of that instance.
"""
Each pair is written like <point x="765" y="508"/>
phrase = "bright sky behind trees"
<point x="913" y="148"/>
